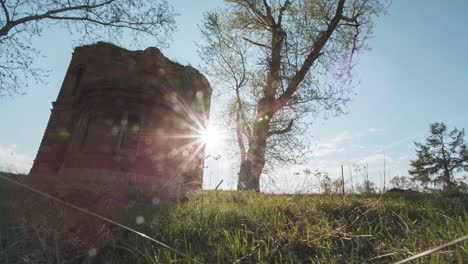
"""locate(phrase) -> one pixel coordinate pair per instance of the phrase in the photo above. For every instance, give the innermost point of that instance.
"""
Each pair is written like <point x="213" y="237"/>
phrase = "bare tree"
<point x="22" y="20"/>
<point x="282" y="61"/>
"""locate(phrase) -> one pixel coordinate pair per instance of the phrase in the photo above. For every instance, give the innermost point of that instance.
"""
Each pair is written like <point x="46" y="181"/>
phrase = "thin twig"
<point x="430" y="251"/>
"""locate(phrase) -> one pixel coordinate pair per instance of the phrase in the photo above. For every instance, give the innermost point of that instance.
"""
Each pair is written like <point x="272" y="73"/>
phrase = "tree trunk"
<point x="447" y="179"/>
<point x="251" y="168"/>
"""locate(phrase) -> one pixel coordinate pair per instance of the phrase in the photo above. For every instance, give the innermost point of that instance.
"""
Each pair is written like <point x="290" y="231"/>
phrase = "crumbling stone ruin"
<point x="126" y="116"/>
<point x="125" y="123"/>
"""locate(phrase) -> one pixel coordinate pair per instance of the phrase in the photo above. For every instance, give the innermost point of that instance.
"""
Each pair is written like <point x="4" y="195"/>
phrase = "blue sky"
<point x="415" y="73"/>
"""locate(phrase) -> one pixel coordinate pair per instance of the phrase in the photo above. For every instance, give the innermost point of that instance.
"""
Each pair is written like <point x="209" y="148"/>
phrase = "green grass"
<point x="250" y="227"/>
<point x="225" y="227"/>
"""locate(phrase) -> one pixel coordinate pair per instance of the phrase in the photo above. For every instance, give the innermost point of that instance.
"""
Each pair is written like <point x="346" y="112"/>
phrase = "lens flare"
<point x="210" y="136"/>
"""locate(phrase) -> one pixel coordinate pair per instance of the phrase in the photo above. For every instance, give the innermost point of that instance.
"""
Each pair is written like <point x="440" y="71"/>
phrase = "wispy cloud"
<point x="375" y="158"/>
<point x="375" y="130"/>
<point x="406" y="140"/>
<point x="13" y="161"/>
<point x="328" y="146"/>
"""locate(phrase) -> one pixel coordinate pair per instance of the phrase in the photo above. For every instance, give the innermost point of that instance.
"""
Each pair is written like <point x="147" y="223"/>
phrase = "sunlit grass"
<point x="225" y="227"/>
<point x="249" y="227"/>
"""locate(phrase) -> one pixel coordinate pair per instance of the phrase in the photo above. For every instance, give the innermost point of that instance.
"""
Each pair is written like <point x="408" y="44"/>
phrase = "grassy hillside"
<point x="227" y="227"/>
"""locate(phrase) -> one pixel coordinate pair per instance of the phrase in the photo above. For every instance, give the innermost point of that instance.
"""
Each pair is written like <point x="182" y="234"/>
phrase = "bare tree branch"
<point x="314" y="54"/>
<point x="5" y="10"/>
<point x="268" y="15"/>
<point x="91" y="19"/>
<point x="282" y="131"/>
<point x="283" y="8"/>
<point x="5" y="29"/>
<point x="257" y="44"/>
<point x="240" y="140"/>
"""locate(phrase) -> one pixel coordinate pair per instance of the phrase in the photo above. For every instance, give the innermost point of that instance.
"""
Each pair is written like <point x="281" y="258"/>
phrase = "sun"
<point x="210" y="136"/>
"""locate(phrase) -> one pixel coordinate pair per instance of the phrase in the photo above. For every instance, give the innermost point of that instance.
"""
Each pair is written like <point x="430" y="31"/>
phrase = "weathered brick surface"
<point x="126" y="116"/>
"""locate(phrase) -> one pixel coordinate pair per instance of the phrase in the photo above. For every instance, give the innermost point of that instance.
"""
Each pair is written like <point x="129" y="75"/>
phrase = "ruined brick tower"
<point x="128" y="117"/>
